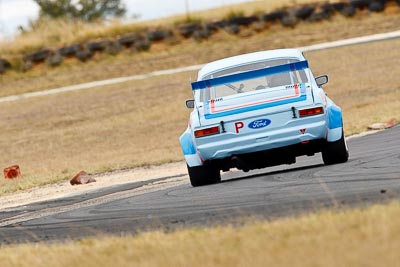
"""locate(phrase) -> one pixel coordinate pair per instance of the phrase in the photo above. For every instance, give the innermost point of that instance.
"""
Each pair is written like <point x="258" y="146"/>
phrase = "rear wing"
<point x="204" y="84"/>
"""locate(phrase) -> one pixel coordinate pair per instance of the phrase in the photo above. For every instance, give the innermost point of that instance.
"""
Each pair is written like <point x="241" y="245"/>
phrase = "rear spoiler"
<point x="199" y="85"/>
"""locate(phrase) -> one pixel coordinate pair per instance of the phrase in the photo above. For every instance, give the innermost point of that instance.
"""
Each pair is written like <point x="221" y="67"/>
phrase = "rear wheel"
<point x="203" y="175"/>
<point x="335" y="152"/>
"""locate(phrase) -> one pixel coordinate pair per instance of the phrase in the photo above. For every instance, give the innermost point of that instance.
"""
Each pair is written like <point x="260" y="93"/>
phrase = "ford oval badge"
<point x="257" y="124"/>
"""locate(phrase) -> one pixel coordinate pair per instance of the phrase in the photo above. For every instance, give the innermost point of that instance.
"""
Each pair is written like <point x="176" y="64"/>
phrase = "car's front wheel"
<point x="203" y="175"/>
<point x="335" y="152"/>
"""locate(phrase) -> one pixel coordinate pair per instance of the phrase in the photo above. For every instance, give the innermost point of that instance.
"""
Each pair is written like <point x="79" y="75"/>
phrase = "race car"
<point x="258" y="110"/>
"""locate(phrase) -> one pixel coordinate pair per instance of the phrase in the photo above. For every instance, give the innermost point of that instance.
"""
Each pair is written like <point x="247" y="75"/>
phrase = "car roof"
<point x="248" y="58"/>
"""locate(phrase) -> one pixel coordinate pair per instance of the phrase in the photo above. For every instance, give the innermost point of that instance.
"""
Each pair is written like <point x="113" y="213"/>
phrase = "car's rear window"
<point x="271" y="81"/>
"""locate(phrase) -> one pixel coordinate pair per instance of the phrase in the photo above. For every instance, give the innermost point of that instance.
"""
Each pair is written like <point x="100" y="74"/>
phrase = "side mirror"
<point x="189" y="103"/>
<point x="321" y="80"/>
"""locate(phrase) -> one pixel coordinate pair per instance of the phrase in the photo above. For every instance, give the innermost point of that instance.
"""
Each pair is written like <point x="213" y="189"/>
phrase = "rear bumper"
<point x="228" y="144"/>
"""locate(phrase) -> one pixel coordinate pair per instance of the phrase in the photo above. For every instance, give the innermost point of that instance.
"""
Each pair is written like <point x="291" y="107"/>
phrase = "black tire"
<point x="348" y="11"/>
<point x="335" y="152"/>
<point x="203" y="175"/>
<point x="376" y="7"/>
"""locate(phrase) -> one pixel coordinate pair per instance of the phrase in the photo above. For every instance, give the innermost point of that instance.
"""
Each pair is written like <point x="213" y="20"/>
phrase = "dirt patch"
<point x="64" y="189"/>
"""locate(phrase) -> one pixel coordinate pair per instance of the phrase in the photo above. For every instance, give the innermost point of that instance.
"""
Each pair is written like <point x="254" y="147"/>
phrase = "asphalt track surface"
<point x="372" y="175"/>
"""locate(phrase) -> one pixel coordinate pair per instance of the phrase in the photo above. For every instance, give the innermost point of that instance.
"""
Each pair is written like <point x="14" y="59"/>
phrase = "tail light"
<point x="311" y="111"/>
<point x="206" y="131"/>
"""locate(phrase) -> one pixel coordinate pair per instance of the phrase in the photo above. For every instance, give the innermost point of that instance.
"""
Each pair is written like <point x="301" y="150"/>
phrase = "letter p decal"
<point x="238" y="125"/>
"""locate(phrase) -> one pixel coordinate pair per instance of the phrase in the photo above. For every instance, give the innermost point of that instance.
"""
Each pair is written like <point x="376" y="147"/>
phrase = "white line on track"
<point x="83" y="86"/>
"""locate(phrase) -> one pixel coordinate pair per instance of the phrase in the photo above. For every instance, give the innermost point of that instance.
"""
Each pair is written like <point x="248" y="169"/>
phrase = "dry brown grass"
<point x="139" y="122"/>
<point x="360" y="237"/>
<point x="101" y="129"/>
<point x="190" y="52"/>
<point x="55" y="33"/>
<point x="363" y="81"/>
<point x="124" y="125"/>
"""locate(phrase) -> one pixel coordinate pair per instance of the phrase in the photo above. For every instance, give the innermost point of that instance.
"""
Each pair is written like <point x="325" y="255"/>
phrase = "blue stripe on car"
<point x="187" y="144"/>
<point x="249" y="75"/>
<point x="335" y="117"/>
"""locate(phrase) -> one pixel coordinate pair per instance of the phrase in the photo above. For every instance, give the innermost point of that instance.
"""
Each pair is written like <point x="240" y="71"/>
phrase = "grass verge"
<point x="359" y="237"/>
<point x="138" y="123"/>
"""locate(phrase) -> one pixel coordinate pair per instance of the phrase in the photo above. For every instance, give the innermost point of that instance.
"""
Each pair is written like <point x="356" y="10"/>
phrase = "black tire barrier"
<point x="215" y="25"/>
<point x="4" y="65"/>
<point x="37" y="57"/>
<point x="360" y="4"/>
<point x="376" y="7"/>
<point x="274" y="16"/>
<point x="97" y="46"/>
<point x="55" y="59"/>
<point x="158" y="35"/>
<point x="200" y="35"/>
<point x="142" y="45"/>
<point x="304" y="13"/>
<point x="129" y="39"/>
<point x="325" y="11"/>
<point x="69" y="51"/>
<point x="319" y="16"/>
<point x="243" y="20"/>
<point x="232" y="29"/>
<point x="142" y="41"/>
<point x="83" y="54"/>
<point x="339" y="6"/>
<point x="4" y="62"/>
<point x="289" y="21"/>
<point x="348" y="11"/>
<point x="327" y="7"/>
<point x="113" y="48"/>
<point x="187" y="30"/>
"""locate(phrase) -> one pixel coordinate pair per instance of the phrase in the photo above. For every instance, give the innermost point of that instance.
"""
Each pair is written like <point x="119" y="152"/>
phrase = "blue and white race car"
<point x="258" y="110"/>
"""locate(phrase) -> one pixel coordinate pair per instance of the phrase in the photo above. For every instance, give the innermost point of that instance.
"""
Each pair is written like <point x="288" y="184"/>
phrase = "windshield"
<point x="252" y="84"/>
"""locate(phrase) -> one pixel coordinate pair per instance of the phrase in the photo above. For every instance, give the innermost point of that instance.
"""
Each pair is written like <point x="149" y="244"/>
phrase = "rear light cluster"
<point x="206" y="131"/>
<point x="311" y="111"/>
